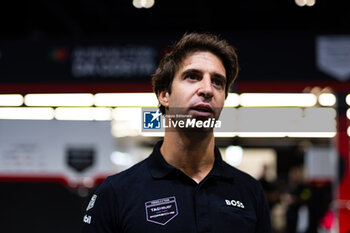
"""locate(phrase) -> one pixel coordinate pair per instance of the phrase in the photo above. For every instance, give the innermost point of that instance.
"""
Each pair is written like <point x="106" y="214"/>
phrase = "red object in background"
<point x="327" y="221"/>
<point x="60" y="54"/>
<point x="343" y="141"/>
<point x="117" y="87"/>
<point x="344" y="185"/>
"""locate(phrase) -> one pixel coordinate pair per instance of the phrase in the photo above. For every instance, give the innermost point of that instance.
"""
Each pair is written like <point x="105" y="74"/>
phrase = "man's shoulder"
<point x="135" y="173"/>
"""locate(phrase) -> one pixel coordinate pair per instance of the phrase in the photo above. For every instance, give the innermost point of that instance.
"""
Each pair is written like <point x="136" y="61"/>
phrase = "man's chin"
<point x="196" y="130"/>
<point x="201" y="124"/>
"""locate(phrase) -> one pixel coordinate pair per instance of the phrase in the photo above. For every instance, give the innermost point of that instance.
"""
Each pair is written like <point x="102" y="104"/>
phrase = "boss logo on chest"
<point x="234" y="203"/>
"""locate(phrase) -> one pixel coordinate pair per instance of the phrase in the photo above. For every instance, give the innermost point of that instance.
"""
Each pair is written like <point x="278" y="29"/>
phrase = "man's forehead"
<point x="189" y="60"/>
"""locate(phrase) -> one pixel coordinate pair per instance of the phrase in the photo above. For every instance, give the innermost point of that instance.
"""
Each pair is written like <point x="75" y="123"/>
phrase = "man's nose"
<point x="206" y="87"/>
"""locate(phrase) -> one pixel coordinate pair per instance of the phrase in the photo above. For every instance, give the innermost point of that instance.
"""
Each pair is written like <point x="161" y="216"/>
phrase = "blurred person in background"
<point x="184" y="185"/>
<point x="273" y="190"/>
<point x="297" y="196"/>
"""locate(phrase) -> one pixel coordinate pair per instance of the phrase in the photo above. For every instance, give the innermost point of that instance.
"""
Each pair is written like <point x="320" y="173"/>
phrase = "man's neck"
<point x="192" y="153"/>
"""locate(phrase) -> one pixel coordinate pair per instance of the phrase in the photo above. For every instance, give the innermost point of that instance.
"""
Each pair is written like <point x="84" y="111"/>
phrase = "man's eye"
<point x="192" y="76"/>
<point x="218" y="83"/>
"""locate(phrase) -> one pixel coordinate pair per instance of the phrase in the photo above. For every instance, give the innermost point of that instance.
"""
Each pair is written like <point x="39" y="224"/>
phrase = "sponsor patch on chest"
<point x="161" y="211"/>
<point x="234" y="203"/>
<point x="87" y="219"/>
<point x="92" y="202"/>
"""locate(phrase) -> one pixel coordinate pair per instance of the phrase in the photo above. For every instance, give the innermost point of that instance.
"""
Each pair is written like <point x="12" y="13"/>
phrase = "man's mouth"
<point x="202" y="110"/>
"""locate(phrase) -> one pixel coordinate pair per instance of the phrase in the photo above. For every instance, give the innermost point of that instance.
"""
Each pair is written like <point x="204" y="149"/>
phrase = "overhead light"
<point x="137" y="3"/>
<point x="348" y="113"/>
<point x="143" y="3"/>
<point x="132" y="115"/>
<point x="277" y="100"/>
<point x="147" y="3"/>
<point x="76" y="100"/>
<point x="310" y="2"/>
<point x="327" y="99"/>
<point x="305" y="2"/>
<point x="311" y="134"/>
<point x="24" y="113"/>
<point x="83" y="114"/>
<point x="102" y="114"/>
<point x="121" y="159"/>
<point x="288" y="134"/>
<point x="11" y="100"/>
<point x="347" y="99"/>
<point x="300" y="2"/>
<point x="126" y="99"/>
<point x="225" y="134"/>
<point x="234" y="155"/>
<point x="232" y="100"/>
<point x="152" y="134"/>
<point x="126" y="122"/>
<point x="262" y="134"/>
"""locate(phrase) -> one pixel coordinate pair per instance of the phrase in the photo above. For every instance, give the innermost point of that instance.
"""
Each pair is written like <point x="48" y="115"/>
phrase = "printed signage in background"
<point x="333" y="56"/>
<point x="61" y="61"/>
<point x="76" y="153"/>
<point x="321" y="164"/>
<point x="113" y="62"/>
<point x="132" y="59"/>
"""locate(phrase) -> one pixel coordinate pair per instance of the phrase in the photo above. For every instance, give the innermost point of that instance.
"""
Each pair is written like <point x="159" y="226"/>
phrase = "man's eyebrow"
<point x="189" y="71"/>
<point x="220" y="76"/>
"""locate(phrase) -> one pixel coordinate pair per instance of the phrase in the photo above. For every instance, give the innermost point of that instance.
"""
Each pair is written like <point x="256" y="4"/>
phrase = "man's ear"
<point x="163" y="98"/>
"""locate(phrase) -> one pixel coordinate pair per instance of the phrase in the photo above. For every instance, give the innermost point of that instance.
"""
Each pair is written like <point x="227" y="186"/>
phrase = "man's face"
<point x="198" y="88"/>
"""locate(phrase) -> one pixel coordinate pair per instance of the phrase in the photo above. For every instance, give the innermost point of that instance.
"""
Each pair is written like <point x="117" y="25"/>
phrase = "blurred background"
<point x="74" y="76"/>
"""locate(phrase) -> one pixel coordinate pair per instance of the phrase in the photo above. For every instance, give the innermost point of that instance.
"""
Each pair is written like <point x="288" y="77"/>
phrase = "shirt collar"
<point x="159" y="168"/>
<point x="221" y="168"/>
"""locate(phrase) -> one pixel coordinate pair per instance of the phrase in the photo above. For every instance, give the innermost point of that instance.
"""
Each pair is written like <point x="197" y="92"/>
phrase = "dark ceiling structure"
<point x="51" y="18"/>
<point x="276" y="39"/>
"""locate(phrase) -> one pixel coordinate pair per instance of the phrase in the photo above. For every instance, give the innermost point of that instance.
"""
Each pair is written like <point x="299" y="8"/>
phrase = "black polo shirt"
<point x="153" y="196"/>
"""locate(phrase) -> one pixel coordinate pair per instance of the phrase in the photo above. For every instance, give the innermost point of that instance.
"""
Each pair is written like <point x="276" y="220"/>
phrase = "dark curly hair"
<point x="189" y="43"/>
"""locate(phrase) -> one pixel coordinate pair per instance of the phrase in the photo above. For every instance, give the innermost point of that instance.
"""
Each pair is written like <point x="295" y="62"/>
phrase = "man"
<point x="184" y="185"/>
